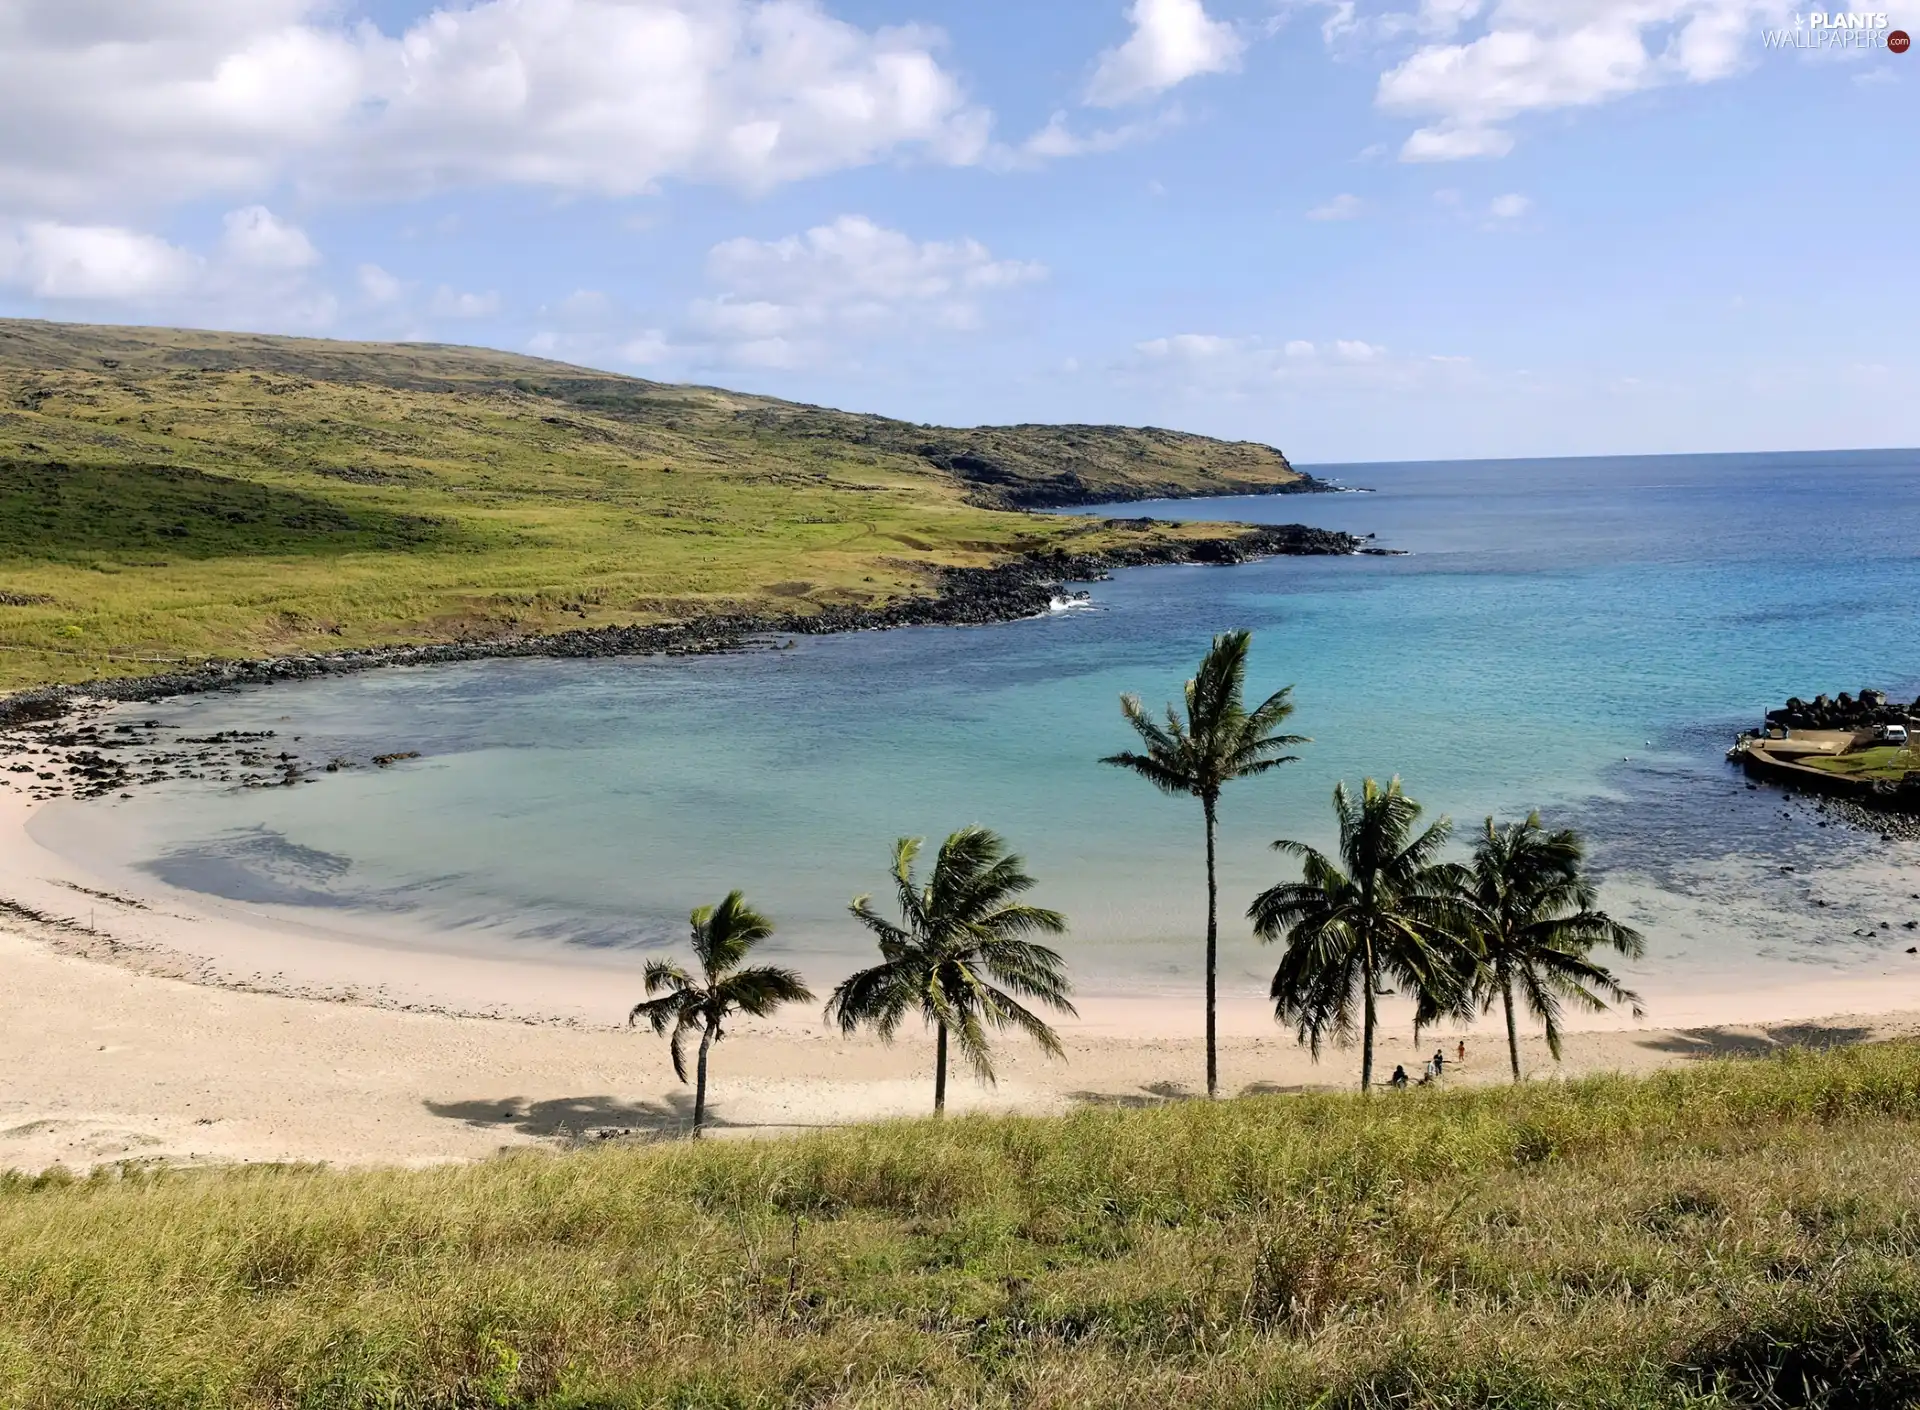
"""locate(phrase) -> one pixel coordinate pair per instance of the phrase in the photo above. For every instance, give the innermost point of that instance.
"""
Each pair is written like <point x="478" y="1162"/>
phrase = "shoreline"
<point x="79" y="908"/>
<point x="166" y="1027"/>
<point x="1006" y="592"/>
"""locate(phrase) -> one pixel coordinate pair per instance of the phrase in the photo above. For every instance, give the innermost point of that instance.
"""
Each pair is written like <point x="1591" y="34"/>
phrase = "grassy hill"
<point x="169" y="495"/>
<point x="1739" y="1236"/>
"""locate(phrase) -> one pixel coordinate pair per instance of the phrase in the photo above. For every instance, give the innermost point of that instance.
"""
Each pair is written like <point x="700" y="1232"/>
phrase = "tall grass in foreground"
<point x="1740" y="1234"/>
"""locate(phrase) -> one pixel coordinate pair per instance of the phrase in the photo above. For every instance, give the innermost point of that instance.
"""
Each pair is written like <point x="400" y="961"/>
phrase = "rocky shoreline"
<point x="46" y="751"/>
<point x="1888" y="826"/>
<point x="1887" y="807"/>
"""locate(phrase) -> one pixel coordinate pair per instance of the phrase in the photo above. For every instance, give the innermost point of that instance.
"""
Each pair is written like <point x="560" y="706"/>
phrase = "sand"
<point x="168" y="1027"/>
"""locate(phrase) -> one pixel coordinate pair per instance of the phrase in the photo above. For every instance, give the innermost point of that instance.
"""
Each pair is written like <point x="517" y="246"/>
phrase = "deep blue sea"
<point x="1579" y="636"/>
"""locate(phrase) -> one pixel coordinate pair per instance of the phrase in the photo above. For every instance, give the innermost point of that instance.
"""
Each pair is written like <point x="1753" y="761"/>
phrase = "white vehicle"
<point x="1893" y="734"/>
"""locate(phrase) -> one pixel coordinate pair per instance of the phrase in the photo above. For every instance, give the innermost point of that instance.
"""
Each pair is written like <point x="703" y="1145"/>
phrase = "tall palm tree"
<point x="689" y="1004"/>
<point x="959" y="956"/>
<point x="1530" y="925"/>
<point x="1380" y="911"/>
<point x="1218" y="741"/>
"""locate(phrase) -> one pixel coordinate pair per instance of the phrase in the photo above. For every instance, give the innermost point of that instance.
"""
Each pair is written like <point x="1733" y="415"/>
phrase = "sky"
<point x="1418" y="229"/>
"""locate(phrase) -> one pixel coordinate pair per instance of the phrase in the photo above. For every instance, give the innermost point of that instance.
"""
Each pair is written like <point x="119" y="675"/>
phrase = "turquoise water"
<point x="1583" y="637"/>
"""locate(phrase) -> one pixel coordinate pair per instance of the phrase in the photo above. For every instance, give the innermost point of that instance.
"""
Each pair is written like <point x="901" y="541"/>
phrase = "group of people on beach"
<point x="1436" y="1068"/>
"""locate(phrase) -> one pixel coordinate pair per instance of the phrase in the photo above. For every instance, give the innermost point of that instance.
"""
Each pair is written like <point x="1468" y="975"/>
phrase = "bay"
<point x="1578" y="636"/>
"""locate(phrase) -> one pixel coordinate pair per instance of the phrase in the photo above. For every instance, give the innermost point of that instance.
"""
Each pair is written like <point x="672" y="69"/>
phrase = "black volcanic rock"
<point x="1869" y="709"/>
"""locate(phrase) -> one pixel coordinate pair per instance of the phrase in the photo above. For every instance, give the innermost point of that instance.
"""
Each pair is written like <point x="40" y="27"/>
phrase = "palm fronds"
<point x="959" y="957"/>
<point x="1531" y="921"/>
<point x="1382" y="911"/>
<point x="685" y="1006"/>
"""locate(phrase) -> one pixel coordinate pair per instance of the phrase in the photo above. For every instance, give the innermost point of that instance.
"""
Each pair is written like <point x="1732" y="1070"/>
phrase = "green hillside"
<point x="169" y="495"/>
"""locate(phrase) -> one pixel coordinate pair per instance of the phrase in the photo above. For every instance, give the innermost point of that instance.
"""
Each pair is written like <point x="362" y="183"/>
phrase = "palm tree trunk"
<point x="1213" y="955"/>
<point x="700" y="1082"/>
<point x="1366" y="1025"/>
<point x="940" y="1072"/>
<point x="1513" y="1034"/>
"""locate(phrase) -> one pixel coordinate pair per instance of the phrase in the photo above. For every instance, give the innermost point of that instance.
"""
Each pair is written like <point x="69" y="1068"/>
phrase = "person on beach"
<point x="1399" y="1079"/>
<point x="1439" y="1062"/>
<point x="1460" y="1053"/>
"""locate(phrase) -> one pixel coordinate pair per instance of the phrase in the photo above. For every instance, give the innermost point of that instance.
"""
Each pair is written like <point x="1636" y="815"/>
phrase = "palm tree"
<point x="959" y="956"/>
<point x="1380" y="911"/>
<point x="1530" y="925"/>
<point x="722" y="936"/>
<point x="1219" y="741"/>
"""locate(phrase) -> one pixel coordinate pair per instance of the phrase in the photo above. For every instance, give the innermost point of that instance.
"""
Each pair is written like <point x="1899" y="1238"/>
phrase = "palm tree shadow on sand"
<point x="1744" y="1042"/>
<point x="578" y="1118"/>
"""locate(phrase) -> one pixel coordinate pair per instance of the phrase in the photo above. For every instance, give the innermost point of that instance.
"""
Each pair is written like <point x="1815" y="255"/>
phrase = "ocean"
<point x="1582" y="637"/>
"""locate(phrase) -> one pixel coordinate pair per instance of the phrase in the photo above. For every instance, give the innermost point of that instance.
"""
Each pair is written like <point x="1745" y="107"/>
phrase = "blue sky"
<point x="1357" y="231"/>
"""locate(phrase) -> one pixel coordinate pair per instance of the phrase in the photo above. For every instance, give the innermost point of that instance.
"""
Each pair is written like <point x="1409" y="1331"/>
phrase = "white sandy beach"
<point x="167" y="1027"/>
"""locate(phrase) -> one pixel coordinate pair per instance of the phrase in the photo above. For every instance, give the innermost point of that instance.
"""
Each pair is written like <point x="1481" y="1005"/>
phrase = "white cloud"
<point x="258" y="274"/>
<point x="606" y="96"/>
<point x="133" y="105"/>
<point x="1345" y="26"/>
<point x="379" y="286"/>
<point x="93" y="262"/>
<point x="1510" y="206"/>
<point x="1218" y="366"/>
<point x="1539" y="55"/>
<point x="1446" y="16"/>
<point x="851" y="276"/>
<point x="753" y="320"/>
<point x="256" y="237"/>
<point x="1189" y="347"/>
<point x="1453" y="144"/>
<point x="769" y="352"/>
<point x="1057" y="140"/>
<point x="163" y="99"/>
<point x="1341" y="207"/>
<point x="1172" y="41"/>
<point x="585" y="306"/>
<point x="1341" y="20"/>
<point x="805" y="300"/>
<point x="452" y="303"/>
<point x="1244" y="353"/>
<point x="651" y="346"/>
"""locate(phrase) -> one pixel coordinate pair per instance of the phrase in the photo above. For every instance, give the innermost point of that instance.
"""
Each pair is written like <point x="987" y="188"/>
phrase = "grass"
<point x="172" y="496"/>
<point x="1735" y="1234"/>
<point x="1879" y="761"/>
